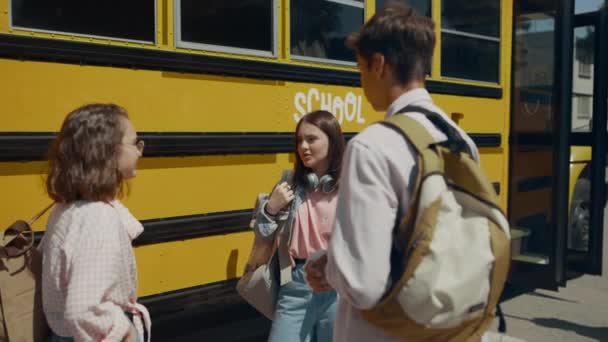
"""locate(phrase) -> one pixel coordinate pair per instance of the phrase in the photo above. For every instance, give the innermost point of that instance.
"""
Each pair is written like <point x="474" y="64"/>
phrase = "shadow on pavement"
<point x="542" y="295"/>
<point x="596" y="333"/>
<point x="512" y="291"/>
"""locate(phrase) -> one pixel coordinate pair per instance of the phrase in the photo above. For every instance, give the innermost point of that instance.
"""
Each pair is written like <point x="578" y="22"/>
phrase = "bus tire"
<point x="580" y="216"/>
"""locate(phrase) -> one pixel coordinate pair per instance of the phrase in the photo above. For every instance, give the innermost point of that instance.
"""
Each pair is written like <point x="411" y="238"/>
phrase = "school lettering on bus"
<point x="346" y="108"/>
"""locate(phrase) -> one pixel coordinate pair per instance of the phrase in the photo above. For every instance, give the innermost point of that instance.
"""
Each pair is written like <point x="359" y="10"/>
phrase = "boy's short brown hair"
<point x="404" y="38"/>
<point x="83" y="161"/>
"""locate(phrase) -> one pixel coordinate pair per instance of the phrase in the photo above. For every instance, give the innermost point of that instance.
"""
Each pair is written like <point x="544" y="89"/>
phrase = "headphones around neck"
<point x="325" y="184"/>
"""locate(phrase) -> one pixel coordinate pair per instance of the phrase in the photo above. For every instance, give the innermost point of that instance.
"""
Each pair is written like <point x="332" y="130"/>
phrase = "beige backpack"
<point x="451" y="252"/>
<point x="259" y="284"/>
<point x="20" y="285"/>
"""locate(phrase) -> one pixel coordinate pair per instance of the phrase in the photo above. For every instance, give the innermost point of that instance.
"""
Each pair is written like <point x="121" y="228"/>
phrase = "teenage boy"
<point x="394" y="54"/>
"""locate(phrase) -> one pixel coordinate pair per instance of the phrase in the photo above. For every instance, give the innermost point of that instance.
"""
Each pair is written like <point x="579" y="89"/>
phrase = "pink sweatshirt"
<point x="313" y="224"/>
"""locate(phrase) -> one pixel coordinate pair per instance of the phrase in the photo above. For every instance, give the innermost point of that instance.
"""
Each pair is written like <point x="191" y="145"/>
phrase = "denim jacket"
<point x="280" y="229"/>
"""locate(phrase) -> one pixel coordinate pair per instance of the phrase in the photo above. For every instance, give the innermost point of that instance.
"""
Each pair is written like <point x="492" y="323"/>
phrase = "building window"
<point x="584" y="50"/>
<point x="128" y="20"/>
<point x="319" y="29"/>
<point x="423" y="7"/>
<point x="470" y="40"/>
<point x="583" y="106"/>
<point x="233" y="26"/>
<point x="584" y="68"/>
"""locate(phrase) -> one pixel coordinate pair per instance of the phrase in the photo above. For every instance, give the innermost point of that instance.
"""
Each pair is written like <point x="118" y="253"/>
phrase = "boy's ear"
<point x="378" y="64"/>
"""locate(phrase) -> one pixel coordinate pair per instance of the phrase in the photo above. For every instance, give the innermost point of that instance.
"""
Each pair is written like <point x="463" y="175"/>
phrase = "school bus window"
<point x="227" y="25"/>
<point x="129" y="20"/>
<point x="470" y="39"/>
<point x="320" y="27"/>
<point x="423" y="7"/>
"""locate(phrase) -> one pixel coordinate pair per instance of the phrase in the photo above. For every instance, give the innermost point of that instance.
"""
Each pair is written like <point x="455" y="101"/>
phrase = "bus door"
<point x="588" y="144"/>
<point x="539" y="147"/>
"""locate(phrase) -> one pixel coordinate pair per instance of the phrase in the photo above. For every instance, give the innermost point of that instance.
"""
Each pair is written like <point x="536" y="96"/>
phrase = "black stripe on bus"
<point x="447" y="88"/>
<point x="193" y="226"/>
<point x="64" y="51"/>
<point x="534" y="183"/>
<point x="29" y="146"/>
<point x="24" y="146"/>
<point x="538" y="220"/>
<point x="486" y="140"/>
<point x="189" y="227"/>
<point x="210" y="312"/>
<point x="581" y="139"/>
<point x="537" y="139"/>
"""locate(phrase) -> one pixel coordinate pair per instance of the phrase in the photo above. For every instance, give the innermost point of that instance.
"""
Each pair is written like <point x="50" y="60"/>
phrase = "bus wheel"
<point x="579" y="220"/>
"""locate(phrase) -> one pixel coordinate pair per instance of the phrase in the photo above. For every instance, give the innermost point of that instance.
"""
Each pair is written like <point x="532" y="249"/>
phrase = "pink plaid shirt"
<point x="89" y="276"/>
<point x="313" y="223"/>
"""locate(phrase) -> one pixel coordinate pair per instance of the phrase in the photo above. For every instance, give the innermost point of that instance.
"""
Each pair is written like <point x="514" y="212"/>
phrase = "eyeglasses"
<point x="139" y="145"/>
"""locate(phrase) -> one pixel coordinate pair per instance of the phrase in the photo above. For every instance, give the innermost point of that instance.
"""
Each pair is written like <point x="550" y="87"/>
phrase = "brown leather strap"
<point x="37" y="216"/>
<point x="12" y="232"/>
<point x="16" y="230"/>
<point x="19" y="228"/>
<point x="7" y="250"/>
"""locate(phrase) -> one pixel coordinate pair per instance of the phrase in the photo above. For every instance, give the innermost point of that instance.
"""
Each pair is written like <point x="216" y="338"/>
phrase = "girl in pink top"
<point x="89" y="276"/>
<point x="301" y="314"/>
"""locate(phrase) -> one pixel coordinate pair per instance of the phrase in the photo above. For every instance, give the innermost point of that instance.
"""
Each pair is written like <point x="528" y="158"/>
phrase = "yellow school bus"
<point x="215" y="88"/>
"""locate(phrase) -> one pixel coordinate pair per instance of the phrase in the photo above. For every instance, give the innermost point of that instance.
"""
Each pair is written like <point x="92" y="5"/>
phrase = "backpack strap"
<point x="20" y="227"/>
<point x="427" y="161"/>
<point x="452" y="152"/>
<point x="17" y="229"/>
<point x="416" y="134"/>
<point x="502" y="323"/>
<point x="42" y="212"/>
<point x="455" y="143"/>
<point x="283" y="234"/>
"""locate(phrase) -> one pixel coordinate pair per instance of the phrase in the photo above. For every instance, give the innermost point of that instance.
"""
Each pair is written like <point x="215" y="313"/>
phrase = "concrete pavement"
<point x="578" y="312"/>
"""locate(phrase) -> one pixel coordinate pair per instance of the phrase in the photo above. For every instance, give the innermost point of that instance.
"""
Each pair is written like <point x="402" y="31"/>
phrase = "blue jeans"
<point x="56" y="338"/>
<point x="301" y="314"/>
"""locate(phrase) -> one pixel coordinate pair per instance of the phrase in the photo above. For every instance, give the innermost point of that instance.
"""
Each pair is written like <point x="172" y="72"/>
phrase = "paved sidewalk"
<point x="578" y="312"/>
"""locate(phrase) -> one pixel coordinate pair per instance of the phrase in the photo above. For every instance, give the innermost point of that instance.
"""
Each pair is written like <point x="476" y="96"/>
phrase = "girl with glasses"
<point x="89" y="276"/>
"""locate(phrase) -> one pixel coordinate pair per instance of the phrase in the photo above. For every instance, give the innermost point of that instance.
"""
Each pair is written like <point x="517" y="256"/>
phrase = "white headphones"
<point x="325" y="184"/>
